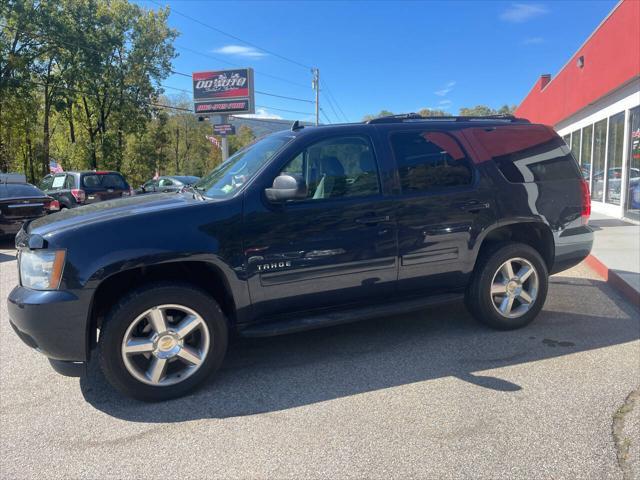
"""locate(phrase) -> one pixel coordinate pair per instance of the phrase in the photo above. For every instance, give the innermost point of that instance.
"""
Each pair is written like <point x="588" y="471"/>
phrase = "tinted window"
<point x="429" y="160"/>
<point x="165" y="182"/>
<point x="104" y="180"/>
<point x="337" y="167"/>
<point x="529" y="153"/>
<point x="17" y="190"/>
<point x="70" y="182"/>
<point x="46" y="182"/>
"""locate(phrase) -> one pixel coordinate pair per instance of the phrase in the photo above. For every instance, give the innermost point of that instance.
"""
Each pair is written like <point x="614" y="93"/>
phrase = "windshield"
<point x="228" y="177"/>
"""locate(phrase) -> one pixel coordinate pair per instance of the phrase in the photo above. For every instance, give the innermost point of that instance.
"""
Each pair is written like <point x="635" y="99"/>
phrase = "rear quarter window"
<point x="529" y="153"/>
<point x="106" y="180"/>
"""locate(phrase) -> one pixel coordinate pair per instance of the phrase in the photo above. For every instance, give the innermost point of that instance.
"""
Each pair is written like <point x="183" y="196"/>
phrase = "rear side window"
<point x="69" y="183"/>
<point x="430" y="160"/>
<point x="104" y="180"/>
<point x="46" y="183"/>
<point x="529" y="153"/>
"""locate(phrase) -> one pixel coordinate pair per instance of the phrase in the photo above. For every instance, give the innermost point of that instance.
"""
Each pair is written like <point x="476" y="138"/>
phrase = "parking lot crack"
<point x="621" y="436"/>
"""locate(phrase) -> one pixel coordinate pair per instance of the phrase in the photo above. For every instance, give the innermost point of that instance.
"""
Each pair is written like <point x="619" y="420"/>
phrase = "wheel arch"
<point x="534" y="233"/>
<point x="204" y="275"/>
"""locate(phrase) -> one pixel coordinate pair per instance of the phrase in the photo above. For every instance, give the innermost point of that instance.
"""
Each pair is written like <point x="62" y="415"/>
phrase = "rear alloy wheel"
<point x="509" y="286"/>
<point x="514" y="287"/>
<point x="162" y="341"/>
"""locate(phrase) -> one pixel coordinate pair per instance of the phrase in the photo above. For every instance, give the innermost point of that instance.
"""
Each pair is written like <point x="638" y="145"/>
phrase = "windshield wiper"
<point x="197" y="193"/>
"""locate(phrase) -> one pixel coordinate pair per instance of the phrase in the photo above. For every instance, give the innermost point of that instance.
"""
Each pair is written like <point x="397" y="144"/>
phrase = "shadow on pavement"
<point x="273" y="374"/>
<point x="7" y="243"/>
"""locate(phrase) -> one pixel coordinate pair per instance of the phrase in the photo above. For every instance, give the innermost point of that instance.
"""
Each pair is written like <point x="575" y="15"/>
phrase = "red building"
<point x="593" y="102"/>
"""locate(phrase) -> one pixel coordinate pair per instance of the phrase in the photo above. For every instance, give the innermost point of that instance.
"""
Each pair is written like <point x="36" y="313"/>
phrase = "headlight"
<point x="41" y="269"/>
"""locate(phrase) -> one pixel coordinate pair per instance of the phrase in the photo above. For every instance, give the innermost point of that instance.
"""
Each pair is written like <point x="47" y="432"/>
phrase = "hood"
<point x="110" y="209"/>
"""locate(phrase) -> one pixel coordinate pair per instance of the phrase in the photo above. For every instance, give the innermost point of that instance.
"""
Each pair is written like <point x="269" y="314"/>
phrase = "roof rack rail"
<point x="414" y="117"/>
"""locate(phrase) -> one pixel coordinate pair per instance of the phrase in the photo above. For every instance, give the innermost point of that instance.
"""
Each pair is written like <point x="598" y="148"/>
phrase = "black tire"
<point x="136" y="303"/>
<point x="479" y="300"/>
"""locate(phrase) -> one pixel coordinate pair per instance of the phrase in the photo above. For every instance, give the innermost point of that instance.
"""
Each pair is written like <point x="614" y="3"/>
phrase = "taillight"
<point x="54" y="206"/>
<point x="79" y="195"/>
<point x="586" y="202"/>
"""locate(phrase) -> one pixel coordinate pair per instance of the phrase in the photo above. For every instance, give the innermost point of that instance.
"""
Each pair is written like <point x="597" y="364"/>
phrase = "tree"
<point x="383" y="113"/>
<point x="483" y="110"/>
<point x="425" y="112"/>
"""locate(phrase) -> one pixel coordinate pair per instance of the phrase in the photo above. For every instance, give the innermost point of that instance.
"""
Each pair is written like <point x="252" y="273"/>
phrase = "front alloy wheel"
<point x="162" y="340"/>
<point x="165" y="345"/>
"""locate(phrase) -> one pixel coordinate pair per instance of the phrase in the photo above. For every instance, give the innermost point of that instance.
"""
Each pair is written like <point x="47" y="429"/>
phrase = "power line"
<point x="333" y="108"/>
<point x="154" y="104"/>
<point x="284" y="96"/>
<point x="259" y="72"/>
<point x="31" y="34"/>
<point x="325" y="115"/>
<point x="256" y="91"/>
<point x="175" y="72"/>
<point x="215" y="29"/>
<point x="330" y="94"/>
<point x="283" y="110"/>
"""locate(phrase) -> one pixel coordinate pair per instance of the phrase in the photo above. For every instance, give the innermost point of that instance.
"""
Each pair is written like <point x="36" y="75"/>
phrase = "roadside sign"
<point x="223" y="91"/>
<point x="224" y="129"/>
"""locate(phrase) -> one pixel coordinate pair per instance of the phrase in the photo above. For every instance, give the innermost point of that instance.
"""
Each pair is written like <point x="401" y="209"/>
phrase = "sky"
<point x="373" y="55"/>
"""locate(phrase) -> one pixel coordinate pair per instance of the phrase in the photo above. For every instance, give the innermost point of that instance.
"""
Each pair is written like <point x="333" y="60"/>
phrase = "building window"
<point x="575" y="145"/>
<point x="567" y="139"/>
<point x="599" y="152"/>
<point x="614" y="158"/>
<point x="633" y="192"/>
<point x="585" y="152"/>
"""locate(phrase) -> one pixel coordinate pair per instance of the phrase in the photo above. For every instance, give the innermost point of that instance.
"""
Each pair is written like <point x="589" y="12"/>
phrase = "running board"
<point x="339" y="317"/>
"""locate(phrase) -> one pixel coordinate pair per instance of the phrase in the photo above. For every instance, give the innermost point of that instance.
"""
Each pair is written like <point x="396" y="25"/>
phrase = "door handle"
<point x="372" y="220"/>
<point x="473" y="206"/>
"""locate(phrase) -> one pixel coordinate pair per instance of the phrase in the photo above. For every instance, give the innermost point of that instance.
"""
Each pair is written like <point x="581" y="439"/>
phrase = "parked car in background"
<point x="21" y="201"/>
<point x="167" y="184"/>
<point x="72" y="189"/>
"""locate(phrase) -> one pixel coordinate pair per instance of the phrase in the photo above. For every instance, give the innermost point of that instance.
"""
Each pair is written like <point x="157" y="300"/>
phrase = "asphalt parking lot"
<point x="428" y="395"/>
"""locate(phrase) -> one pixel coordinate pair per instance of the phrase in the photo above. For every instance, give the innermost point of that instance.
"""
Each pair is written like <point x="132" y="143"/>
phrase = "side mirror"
<point x="286" y="187"/>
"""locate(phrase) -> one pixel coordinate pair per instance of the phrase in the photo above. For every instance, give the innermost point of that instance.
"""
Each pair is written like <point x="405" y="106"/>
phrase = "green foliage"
<point x="478" y="110"/>
<point x="483" y="110"/>
<point x="78" y="84"/>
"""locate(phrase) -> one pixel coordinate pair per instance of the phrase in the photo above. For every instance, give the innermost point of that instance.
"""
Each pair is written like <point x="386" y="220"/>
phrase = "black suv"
<point x="304" y="229"/>
<point x="72" y="189"/>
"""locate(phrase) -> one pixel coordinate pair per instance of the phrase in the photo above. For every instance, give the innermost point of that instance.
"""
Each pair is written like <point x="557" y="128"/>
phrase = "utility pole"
<point x="315" y="83"/>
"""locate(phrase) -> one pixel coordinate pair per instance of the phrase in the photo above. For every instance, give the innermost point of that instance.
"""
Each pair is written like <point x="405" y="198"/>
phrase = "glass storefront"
<point x="608" y="164"/>
<point x="575" y="144"/>
<point x="614" y="159"/>
<point x="632" y="209"/>
<point x="585" y="151"/>
<point x="599" y="154"/>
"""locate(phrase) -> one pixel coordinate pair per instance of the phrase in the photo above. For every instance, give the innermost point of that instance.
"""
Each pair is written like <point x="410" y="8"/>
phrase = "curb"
<point x="613" y="279"/>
